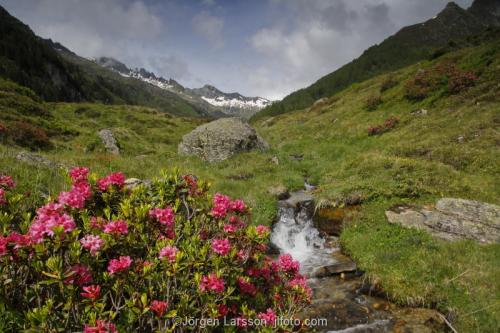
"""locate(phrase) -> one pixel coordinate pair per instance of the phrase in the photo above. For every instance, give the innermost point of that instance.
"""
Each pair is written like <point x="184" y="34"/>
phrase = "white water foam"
<point x="295" y="234"/>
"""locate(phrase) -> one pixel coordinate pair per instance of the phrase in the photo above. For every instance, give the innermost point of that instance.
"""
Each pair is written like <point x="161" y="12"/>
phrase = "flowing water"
<point x="341" y="301"/>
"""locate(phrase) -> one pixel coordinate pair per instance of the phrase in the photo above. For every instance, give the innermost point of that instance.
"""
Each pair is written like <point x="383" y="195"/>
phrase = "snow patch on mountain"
<point x="257" y="102"/>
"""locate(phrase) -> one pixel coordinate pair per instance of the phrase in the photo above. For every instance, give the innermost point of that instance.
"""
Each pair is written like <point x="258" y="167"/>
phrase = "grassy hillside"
<point x="452" y="151"/>
<point x="414" y="43"/>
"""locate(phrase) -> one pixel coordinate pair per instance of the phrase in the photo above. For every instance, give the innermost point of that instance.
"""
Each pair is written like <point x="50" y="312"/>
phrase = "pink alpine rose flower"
<point x="101" y="326"/>
<point x="165" y="216"/>
<point x="238" y="206"/>
<point x="246" y="287"/>
<point x="212" y="283"/>
<point x="221" y="205"/>
<point x="268" y="317"/>
<point x="116" y="228"/>
<point x="76" y="197"/>
<point x="159" y="308"/>
<point x="7" y="182"/>
<point x="117" y="179"/>
<point x="262" y="230"/>
<point x="93" y="243"/>
<point x="119" y="265"/>
<point x="79" y="174"/>
<point x="287" y="264"/>
<point x="80" y="275"/>
<point x="91" y="292"/>
<point x="50" y="217"/>
<point x="221" y="246"/>
<point x="169" y="252"/>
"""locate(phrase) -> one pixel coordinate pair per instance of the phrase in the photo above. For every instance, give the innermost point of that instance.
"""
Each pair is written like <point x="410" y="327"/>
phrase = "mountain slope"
<point x="207" y="97"/>
<point x="57" y="74"/>
<point x="411" y="44"/>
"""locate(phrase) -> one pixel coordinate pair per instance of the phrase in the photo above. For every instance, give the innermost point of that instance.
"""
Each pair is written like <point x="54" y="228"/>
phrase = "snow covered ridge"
<point x="256" y="102"/>
<point x="228" y="103"/>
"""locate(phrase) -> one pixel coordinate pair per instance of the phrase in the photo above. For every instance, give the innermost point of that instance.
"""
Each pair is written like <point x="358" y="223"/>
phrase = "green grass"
<point x="418" y="161"/>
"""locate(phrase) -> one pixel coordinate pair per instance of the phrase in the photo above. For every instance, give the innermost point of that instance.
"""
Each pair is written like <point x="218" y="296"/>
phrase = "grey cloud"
<point x="170" y="67"/>
<point x="209" y="27"/>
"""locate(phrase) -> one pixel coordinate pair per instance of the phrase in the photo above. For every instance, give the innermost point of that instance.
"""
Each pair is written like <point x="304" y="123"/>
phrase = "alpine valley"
<point x="369" y="199"/>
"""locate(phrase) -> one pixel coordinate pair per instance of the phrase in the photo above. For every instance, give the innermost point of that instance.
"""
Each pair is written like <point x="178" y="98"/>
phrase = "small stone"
<point x="279" y="191"/>
<point x="109" y="141"/>
<point x="275" y="160"/>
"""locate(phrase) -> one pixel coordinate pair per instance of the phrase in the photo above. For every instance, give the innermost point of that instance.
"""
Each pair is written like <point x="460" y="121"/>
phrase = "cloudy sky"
<point x="263" y="48"/>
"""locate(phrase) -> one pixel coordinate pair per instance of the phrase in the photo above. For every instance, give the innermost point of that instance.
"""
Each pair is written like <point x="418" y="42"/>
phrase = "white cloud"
<point x="209" y="27"/>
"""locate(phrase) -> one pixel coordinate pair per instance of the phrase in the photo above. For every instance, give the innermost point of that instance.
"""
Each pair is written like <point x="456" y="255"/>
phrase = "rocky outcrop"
<point x="37" y="160"/>
<point x="452" y="219"/>
<point x="109" y="141"/>
<point x="221" y="139"/>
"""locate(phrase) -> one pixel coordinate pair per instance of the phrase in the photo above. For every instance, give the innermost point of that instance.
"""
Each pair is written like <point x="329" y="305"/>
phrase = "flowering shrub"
<point x="386" y="126"/>
<point x="445" y="75"/>
<point x="388" y="83"/>
<point x="372" y="102"/>
<point x="104" y="258"/>
<point x="27" y="135"/>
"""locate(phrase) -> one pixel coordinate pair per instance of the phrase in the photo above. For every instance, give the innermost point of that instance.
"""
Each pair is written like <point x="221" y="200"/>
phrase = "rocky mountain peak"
<point x="487" y="10"/>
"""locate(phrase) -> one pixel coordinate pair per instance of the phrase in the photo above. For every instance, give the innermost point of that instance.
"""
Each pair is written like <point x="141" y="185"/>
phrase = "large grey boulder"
<point x="109" y="141"/>
<point x="452" y="219"/>
<point x="221" y="139"/>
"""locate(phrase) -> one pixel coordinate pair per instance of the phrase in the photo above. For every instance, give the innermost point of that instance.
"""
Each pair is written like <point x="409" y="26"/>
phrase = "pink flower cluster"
<point x="287" y="264"/>
<point x="79" y="275"/>
<point x="119" y="265"/>
<point x="159" y="308"/>
<point x="262" y="230"/>
<point x="165" y="216"/>
<point x="79" y="175"/>
<point x="7" y="182"/>
<point x="116" y="228"/>
<point x="117" y="179"/>
<point x="80" y="191"/>
<point x="50" y="217"/>
<point x="77" y="196"/>
<point x="246" y="287"/>
<point x="221" y="246"/>
<point x="91" y="292"/>
<point x="212" y="283"/>
<point x="93" y="243"/>
<point x="15" y="238"/>
<point x="300" y="281"/>
<point x="222" y="205"/>
<point x="101" y="326"/>
<point x="268" y="317"/>
<point x="169" y="252"/>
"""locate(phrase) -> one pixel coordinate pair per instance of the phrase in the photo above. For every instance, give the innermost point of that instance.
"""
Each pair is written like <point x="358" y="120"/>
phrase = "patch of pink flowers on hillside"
<point x="7" y="182"/>
<point x="119" y="265"/>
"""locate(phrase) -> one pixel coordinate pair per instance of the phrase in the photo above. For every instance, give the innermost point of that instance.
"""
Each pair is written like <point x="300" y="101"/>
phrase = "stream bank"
<point x="341" y="294"/>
